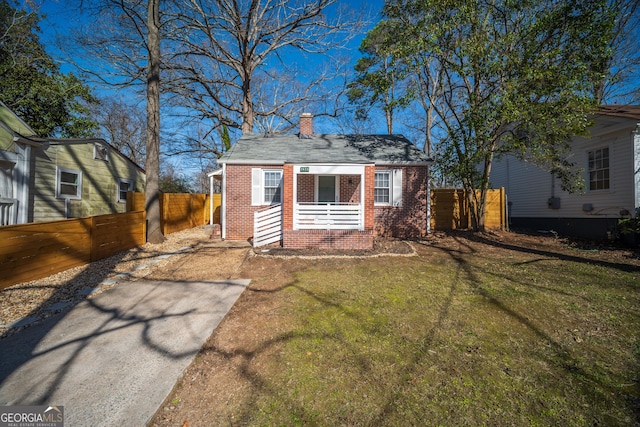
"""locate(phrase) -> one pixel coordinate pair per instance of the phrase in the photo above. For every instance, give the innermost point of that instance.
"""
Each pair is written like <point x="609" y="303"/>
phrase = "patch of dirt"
<point x="380" y="247"/>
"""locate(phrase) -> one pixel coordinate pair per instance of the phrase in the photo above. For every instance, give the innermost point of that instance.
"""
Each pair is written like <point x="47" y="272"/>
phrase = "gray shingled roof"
<point x="280" y="149"/>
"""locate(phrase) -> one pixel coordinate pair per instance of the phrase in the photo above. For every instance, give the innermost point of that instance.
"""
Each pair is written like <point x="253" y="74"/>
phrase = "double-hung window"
<point x="69" y="184"/>
<point x="124" y="185"/>
<point x="266" y="186"/>
<point x="387" y="187"/>
<point x="599" y="169"/>
<point x="382" y="188"/>
<point x="272" y="187"/>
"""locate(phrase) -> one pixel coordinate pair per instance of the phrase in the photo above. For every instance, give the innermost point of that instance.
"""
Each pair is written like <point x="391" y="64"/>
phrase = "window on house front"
<point x="272" y="188"/>
<point x="266" y="186"/>
<point x="382" y="188"/>
<point x="599" y="169"/>
<point x="69" y="184"/>
<point x="124" y="186"/>
<point x="387" y="187"/>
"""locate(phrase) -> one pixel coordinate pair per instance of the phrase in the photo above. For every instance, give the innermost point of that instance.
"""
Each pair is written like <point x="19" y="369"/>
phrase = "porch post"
<point x="368" y="200"/>
<point x="223" y="203"/>
<point x="288" y="196"/>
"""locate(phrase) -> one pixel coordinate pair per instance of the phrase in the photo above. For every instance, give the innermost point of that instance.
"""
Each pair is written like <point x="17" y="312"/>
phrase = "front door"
<point x="327" y="189"/>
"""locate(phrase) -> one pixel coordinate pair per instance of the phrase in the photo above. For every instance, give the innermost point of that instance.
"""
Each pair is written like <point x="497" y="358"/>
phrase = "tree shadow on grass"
<point x="562" y="358"/>
<point x="480" y="238"/>
<point x="357" y="358"/>
<point x="465" y="275"/>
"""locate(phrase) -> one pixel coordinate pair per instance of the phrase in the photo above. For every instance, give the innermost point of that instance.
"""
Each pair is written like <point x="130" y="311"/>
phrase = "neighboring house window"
<point x="387" y="188"/>
<point x="124" y="186"/>
<point x="100" y="152"/>
<point x="266" y="186"/>
<point x="69" y="184"/>
<point x="599" y="169"/>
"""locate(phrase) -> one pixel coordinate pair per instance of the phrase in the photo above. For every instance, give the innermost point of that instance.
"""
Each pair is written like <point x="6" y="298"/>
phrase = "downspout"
<point x="223" y="203"/>
<point x="636" y="169"/>
<point x="363" y="203"/>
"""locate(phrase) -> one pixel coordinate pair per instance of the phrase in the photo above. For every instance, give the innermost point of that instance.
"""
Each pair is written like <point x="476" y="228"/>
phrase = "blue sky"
<point x="61" y="17"/>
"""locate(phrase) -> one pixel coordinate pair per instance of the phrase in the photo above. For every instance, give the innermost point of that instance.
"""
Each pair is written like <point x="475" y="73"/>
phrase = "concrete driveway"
<point x="113" y="359"/>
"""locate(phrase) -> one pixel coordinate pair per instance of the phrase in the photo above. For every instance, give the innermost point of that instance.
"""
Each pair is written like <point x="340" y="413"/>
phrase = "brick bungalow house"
<point x="323" y="191"/>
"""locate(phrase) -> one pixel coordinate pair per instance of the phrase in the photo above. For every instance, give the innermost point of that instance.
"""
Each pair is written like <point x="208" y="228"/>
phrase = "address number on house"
<point x="304" y="168"/>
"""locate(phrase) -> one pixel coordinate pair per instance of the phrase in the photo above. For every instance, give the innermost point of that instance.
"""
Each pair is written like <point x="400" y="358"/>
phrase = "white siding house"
<point x="610" y="162"/>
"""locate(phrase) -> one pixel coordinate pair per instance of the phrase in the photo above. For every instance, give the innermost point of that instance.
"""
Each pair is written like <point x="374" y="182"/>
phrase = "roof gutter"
<point x="32" y="142"/>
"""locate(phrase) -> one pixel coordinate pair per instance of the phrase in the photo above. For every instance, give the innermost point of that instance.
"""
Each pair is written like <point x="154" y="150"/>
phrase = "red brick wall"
<point x="410" y="219"/>
<point x="369" y="213"/>
<point x="287" y="197"/>
<point x="350" y="191"/>
<point x="407" y="221"/>
<point x="239" y="212"/>
<point x="327" y="239"/>
<point x="306" y="188"/>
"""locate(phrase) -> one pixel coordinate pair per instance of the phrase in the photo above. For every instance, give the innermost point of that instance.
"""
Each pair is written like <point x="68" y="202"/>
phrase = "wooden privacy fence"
<point x="450" y="210"/>
<point x="36" y="250"/>
<point x="179" y="211"/>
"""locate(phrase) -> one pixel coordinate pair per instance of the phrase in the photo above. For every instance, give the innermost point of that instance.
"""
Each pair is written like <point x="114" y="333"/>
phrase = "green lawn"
<point x="459" y="335"/>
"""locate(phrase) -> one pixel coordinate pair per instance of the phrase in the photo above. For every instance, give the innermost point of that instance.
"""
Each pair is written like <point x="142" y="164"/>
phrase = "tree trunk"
<point x="152" y="202"/>
<point x="247" y="106"/>
<point x="477" y="198"/>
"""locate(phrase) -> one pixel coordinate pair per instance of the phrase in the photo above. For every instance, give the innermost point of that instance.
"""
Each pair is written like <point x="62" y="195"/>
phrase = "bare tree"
<point x="124" y="51"/>
<point x="123" y="126"/>
<point x="233" y="47"/>
<point x="152" y="188"/>
<point x="621" y="84"/>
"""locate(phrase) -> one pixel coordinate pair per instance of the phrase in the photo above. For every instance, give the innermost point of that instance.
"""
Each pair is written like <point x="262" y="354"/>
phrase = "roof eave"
<point x="250" y="162"/>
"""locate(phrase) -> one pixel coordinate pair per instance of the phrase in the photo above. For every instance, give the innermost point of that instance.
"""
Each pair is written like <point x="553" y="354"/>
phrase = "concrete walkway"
<point x="114" y="358"/>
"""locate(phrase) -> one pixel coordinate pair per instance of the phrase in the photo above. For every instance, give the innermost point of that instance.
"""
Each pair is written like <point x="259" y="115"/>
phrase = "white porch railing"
<point x="328" y="216"/>
<point x="267" y="226"/>
<point x="8" y="211"/>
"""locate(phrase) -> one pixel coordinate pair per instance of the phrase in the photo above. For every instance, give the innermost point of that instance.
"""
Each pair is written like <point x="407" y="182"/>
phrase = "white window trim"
<point x="120" y="181"/>
<point x="395" y="187"/>
<point x="587" y="179"/>
<point x="257" y="186"/>
<point x="78" y="195"/>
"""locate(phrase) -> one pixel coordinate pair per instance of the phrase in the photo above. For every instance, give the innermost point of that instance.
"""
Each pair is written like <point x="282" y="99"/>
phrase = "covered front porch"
<point x="327" y="206"/>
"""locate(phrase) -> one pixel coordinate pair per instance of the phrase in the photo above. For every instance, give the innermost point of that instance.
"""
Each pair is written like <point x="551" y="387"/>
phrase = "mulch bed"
<point x="381" y="246"/>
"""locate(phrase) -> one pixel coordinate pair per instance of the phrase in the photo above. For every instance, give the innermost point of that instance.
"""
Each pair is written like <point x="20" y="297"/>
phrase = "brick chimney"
<point x="306" y="124"/>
